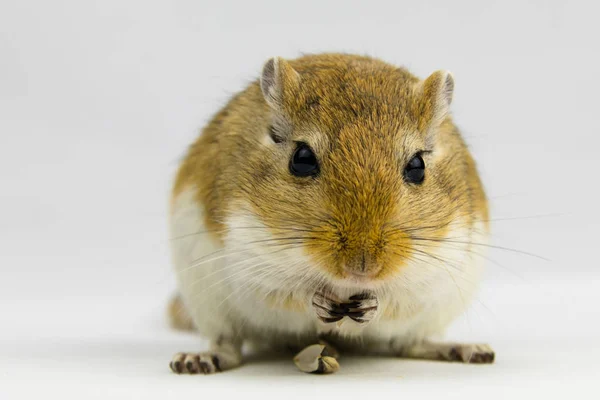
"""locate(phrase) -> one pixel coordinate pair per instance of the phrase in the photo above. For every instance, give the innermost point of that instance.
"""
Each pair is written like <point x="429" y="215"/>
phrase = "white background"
<point x="98" y="101"/>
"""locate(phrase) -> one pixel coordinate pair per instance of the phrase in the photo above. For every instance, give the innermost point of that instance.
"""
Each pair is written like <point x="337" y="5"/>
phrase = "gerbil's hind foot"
<point x="202" y="363"/>
<point x="317" y="359"/>
<point x="466" y="353"/>
<point x="222" y="357"/>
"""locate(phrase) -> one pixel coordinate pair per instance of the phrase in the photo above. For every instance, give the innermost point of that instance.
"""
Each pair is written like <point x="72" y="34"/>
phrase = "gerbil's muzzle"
<point x="362" y="265"/>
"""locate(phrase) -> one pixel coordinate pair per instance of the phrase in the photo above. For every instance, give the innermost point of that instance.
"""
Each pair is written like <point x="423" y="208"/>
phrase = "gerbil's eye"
<point x="414" y="172"/>
<point x="304" y="162"/>
<point x="274" y="135"/>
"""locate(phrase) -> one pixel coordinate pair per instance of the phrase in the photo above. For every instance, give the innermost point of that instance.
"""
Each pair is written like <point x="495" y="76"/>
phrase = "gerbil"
<point x="331" y="204"/>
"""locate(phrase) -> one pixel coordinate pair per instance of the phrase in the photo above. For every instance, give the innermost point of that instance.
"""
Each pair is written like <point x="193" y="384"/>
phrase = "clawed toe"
<point x="472" y="354"/>
<point x="195" y="363"/>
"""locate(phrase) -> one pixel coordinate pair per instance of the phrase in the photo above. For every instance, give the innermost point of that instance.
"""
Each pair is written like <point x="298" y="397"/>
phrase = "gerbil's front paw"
<point x="361" y="308"/>
<point x="196" y="363"/>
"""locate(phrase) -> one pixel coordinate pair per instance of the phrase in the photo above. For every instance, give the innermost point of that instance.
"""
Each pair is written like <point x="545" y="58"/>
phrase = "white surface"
<point x="99" y="99"/>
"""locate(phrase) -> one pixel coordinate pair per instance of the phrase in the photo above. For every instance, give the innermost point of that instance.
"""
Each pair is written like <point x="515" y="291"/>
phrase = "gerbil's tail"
<point x="179" y="318"/>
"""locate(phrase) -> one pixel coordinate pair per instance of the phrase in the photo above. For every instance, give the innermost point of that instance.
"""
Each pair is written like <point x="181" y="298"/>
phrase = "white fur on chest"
<point x="249" y="288"/>
<point x="223" y="286"/>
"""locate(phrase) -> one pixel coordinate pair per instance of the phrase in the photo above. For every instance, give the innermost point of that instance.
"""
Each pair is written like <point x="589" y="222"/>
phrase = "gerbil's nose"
<point x="362" y="266"/>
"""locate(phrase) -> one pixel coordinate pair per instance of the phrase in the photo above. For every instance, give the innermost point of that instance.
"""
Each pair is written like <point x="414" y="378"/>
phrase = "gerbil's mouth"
<point x="356" y="281"/>
<point x="358" y="278"/>
<point x="361" y="277"/>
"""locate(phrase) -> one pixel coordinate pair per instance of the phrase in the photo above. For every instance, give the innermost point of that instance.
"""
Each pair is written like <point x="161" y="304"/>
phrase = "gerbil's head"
<point x="359" y="165"/>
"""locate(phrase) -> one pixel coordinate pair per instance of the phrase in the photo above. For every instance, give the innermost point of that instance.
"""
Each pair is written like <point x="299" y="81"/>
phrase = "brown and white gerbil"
<point x="331" y="204"/>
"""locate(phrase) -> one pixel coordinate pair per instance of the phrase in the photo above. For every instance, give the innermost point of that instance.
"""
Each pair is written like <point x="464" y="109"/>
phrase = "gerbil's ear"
<point x="278" y="81"/>
<point x="437" y="92"/>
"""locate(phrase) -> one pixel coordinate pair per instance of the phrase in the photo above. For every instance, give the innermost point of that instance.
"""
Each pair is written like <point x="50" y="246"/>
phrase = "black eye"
<point x="415" y="170"/>
<point x="275" y="135"/>
<point x="304" y="162"/>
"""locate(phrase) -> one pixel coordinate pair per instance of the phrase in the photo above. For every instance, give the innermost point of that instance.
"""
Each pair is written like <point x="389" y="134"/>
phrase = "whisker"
<point x="231" y="229"/>
<point x="483" y="245"/>
<point x="471" y="251"/>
